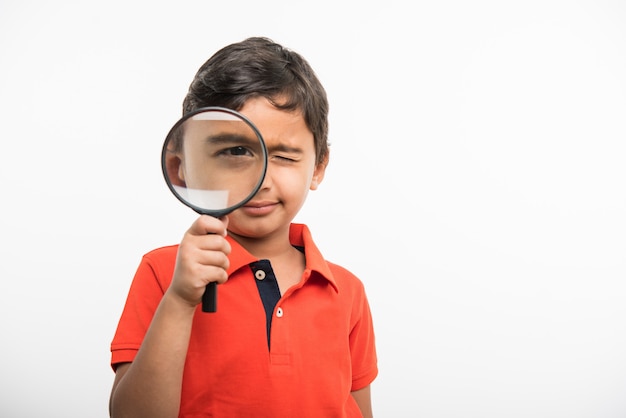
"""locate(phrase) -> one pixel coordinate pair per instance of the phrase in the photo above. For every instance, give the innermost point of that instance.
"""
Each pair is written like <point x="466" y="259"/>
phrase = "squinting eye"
<point x="284" y="159"/>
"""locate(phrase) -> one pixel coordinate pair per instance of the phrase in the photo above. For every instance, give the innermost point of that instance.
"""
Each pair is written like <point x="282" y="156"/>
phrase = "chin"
<point x="251" y="231"/>
<point x="256" y="228"/>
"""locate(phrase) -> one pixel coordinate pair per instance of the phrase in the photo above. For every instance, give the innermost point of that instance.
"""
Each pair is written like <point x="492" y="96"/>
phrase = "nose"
<point x="267" y="180"/>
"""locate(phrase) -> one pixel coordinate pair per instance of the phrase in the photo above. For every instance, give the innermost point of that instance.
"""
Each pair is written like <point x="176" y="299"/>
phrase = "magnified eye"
<point x="237" y="151"/>
<point x="235" y="157"/>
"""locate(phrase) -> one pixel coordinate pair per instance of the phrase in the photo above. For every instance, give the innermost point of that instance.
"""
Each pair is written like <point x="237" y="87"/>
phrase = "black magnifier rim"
<point x="218" y="213"/>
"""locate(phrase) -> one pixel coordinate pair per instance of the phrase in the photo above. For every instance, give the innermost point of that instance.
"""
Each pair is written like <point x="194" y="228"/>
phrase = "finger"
<point x="205" y="250"/>
<point x="208" y="225"/>
<point x="204" y="274"/>
<point x="216" y="258"/>
<point x="210" y="242"/>
<point x="195" y="268"/>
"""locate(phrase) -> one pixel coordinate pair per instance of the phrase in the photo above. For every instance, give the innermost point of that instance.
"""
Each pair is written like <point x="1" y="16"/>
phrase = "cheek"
<point x="295" y="182"/>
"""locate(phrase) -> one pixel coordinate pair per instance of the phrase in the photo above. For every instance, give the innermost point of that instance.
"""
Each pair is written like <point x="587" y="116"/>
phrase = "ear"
<point x="318" y="173"/>
<point x="174" y="168"/>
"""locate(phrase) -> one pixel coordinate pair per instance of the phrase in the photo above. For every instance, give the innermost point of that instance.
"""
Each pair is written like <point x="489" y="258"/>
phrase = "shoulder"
<point x="345" y="279"/>
<point x="166" y="254"/>
<point x="162" y="253"/>
<point x="158" y="263"/>
<point x="340" y="271"/>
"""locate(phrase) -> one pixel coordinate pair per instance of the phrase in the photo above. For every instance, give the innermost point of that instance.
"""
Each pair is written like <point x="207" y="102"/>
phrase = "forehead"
<point x="277" y="125"/>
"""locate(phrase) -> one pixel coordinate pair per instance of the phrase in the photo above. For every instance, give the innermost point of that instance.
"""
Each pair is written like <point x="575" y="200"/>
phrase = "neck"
<point x="267" y="247"/>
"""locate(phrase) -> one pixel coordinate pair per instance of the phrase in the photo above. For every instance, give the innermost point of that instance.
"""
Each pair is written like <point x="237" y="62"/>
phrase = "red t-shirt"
<point x="321" y="341"/>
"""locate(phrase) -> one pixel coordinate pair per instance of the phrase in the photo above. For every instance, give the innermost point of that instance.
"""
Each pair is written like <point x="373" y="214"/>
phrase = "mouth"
<point x="259" y="208"/>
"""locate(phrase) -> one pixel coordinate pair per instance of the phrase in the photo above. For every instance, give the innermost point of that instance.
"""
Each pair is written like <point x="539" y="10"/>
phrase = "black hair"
<point x="259" y="67"/>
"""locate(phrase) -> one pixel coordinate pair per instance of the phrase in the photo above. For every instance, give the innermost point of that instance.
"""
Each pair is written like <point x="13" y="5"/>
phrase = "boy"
<point x="293" y="334"/>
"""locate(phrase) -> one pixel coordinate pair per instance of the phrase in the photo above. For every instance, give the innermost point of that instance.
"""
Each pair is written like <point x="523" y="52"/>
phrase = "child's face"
<point x="291" y="171"/>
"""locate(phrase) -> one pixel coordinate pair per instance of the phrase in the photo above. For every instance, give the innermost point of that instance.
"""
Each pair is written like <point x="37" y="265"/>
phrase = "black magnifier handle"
<point x="209" y="298"/>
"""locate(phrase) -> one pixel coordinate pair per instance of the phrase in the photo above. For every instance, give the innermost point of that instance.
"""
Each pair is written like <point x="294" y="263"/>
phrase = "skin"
<point x="151" y="384"/>
<point x="219" y="155"/>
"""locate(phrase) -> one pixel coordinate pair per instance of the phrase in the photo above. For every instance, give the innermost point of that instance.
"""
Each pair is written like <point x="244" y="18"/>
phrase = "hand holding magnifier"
<point x="214" y="161"/>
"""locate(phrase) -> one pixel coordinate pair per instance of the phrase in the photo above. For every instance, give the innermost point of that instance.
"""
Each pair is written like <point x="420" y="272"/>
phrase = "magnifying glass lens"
<point x="214" y="161"/>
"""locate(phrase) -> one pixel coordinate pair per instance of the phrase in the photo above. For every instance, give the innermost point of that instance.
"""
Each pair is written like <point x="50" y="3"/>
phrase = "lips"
<point x="259" y="208"/>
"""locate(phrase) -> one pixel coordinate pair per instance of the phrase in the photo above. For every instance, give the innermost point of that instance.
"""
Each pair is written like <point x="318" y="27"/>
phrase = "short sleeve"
<point x="151" y="279"/>
<point x="362" y="344"/>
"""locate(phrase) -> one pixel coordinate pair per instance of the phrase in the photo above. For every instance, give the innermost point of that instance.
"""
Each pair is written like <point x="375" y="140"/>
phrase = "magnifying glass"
<point x="214" y="161"/>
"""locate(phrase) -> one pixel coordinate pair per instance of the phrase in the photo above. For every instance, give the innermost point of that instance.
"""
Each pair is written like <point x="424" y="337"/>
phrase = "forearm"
<point x="363" y="398"/>
<point x="151" y="385"/>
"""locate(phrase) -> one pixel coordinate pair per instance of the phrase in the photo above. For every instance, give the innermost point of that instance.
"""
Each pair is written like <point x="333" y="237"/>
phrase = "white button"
<point x="259" y="274"/>
<point x="279" y="312"/>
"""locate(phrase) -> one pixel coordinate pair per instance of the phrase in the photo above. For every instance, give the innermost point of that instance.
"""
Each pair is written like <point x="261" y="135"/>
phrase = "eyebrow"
<point x="286" y="148"/>
<point x="229" y="138"/>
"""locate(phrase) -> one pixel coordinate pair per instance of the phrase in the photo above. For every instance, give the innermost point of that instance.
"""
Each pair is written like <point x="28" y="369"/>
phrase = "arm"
<point x="151" y="385"/>
<point x="364" y="400"/>
<point x="363" y="352"/>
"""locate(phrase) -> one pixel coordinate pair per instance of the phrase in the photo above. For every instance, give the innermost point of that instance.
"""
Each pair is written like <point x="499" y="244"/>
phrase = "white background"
<point x="476" y="185"/>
